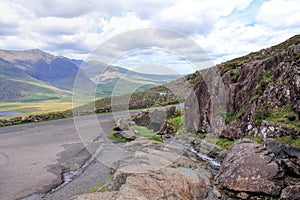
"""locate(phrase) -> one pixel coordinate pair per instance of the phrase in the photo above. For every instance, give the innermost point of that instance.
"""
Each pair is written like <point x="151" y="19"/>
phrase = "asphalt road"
<point x="33" y="156"/>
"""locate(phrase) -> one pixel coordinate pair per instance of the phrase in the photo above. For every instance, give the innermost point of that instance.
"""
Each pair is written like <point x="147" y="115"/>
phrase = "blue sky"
<point x="77" y="29"/>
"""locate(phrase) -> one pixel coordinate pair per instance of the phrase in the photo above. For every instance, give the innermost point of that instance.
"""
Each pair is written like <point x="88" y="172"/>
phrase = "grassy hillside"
<point x="113" y="80"/>
<point x="16" y="85"/>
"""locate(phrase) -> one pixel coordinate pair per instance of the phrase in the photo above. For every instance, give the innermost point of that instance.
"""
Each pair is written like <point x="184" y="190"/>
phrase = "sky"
<point x="180" y="34"/>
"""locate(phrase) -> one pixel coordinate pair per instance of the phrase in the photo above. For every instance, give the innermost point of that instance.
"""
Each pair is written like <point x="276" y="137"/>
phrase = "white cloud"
<point x="74" y="28"/>
<point x="57" y="8"/>
<point x="280" y="14"/>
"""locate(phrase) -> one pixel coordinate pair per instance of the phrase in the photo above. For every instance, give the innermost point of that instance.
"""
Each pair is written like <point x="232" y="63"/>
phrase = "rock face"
<point x="250" y="170"/>
<point x="254" y="85"/>
<point x="249" y="167"/>
<point x="158" y="171"/>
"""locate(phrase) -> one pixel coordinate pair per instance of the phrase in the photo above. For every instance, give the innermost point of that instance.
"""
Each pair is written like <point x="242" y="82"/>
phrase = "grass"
<point x="37" y="107"/>
<point x="265" y="79"/>
<point x="223" y="143"/>
<point x="230" y="117"/>
<point x="177" y="123"/>
<point x="144" y="132"/>
<point x="294" y="142"/>
<point x="232" y="64"/>
<point x="234" y="76"/>
<point x="278" y="116"/>
<point x="259" y="140"/>
<point x="97" y="186"/>
<point x="113" y="137"/>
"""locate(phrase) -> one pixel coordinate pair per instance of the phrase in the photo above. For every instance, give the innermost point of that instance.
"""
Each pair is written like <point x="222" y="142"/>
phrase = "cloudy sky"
<point x="111" y="28"/>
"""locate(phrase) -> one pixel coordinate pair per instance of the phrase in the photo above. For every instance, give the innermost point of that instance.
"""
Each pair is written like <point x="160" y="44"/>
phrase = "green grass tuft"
<point x="234" y="76"/>
<point x="278" y="116"/>
<point x="223" y="143"/>
<point x="177" y="123"/>
<point x="95" y="188"/>
<point x="144" y="132"/>
<point x="113" y="137"/>
<point x="230" y="117"/>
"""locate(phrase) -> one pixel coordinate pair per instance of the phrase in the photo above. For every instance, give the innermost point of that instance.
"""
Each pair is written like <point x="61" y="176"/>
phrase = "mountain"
<point x="31" y="75"/>
<point x="57" y="71"/>
<point x="117" y="80"/>
<point x="16" y="84"/>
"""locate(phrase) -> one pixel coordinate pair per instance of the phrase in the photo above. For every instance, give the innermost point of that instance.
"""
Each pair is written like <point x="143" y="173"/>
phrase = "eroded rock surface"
<point x="249" y="167"/>
<point x="254" y="170"/>
<point x="158" y="171"/>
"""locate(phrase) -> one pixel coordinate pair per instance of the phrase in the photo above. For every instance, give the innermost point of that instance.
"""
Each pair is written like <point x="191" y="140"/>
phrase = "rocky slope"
<point x="261" y="94"/>
<point x="157" y="171"/>
<point x="253" y="171"/>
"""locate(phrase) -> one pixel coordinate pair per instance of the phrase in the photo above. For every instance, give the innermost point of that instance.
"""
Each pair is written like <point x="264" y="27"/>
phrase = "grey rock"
<point x="154" y="118"/>
<point x="128" y="135"/>
<point x="249" y="167"/>
<point x="291" y="193"/>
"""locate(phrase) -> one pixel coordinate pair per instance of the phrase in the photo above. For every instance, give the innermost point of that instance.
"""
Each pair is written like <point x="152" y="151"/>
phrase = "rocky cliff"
<point x="261" y="95"/>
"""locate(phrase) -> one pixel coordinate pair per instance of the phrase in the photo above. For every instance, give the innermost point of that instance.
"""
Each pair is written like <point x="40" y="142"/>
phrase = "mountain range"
<point x="34" y="75"/>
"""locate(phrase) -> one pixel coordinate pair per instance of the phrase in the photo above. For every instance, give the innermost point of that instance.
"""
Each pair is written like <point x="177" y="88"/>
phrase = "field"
<point x="37" y="107"/>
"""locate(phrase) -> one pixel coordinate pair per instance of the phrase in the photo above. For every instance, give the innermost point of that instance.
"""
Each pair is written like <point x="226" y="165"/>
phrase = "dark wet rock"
<point x="281" y="150"/>
<point x="249" y="167"/>
<point x="291" y="193"/>
<point x="291" y="117"/>
<point x="292" y="166"/>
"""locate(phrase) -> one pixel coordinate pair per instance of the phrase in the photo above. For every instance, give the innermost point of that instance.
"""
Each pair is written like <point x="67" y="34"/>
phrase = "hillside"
<point x="45" y="82"/>
<point x="110" y="78"/>
<point x="56" y="71"/>
<point x="17" y="85"/>
<point x="262" y="94"/>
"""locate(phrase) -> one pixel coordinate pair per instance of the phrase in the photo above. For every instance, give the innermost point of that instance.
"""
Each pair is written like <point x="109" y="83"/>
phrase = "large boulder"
<point x="154" y="118"/>
<point x="250" y="168"/>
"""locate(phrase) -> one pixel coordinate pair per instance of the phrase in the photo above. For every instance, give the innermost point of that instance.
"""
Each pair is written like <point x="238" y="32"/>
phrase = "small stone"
<point x="128" y="135"/>
<point x="249" y="127"/>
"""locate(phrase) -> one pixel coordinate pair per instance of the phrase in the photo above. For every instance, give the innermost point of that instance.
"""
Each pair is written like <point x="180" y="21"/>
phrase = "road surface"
<point x="33" y="157"/>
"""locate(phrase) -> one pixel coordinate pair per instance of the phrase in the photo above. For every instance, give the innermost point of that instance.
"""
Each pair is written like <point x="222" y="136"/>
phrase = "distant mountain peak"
<point x="25" y="55"/>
